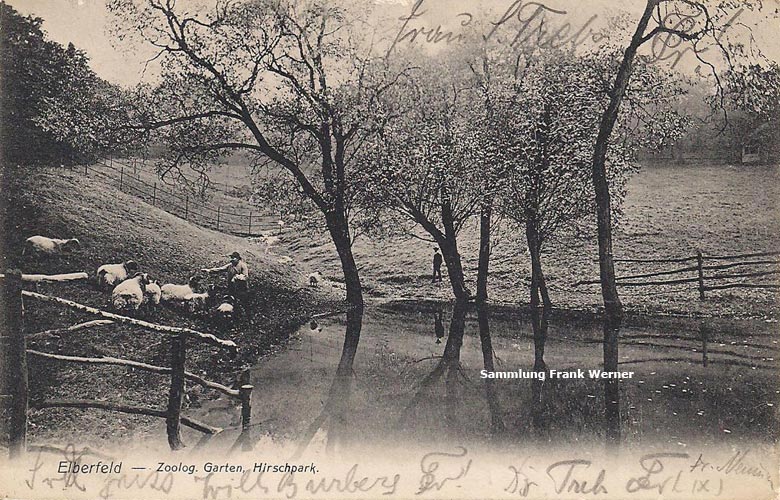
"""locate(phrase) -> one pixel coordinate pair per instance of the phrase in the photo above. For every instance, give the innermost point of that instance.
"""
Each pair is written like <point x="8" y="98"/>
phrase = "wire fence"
<point x="223" y="218"/>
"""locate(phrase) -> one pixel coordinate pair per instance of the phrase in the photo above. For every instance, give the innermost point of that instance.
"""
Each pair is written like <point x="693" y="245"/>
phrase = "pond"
<point x="686" y="382"/>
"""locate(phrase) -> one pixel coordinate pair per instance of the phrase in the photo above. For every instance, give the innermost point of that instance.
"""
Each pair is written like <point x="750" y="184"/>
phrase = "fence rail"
<point x="15" y="353"/>
<point x="700" y="277"/>
<point x="217" y="217"/>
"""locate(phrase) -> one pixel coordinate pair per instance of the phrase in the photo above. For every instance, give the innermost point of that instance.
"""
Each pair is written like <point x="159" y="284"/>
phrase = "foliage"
<point x="422" y="164"/>
<point x="545" y="110"/>
<point x="55" y="109"/>
<point x="752" y="93"/>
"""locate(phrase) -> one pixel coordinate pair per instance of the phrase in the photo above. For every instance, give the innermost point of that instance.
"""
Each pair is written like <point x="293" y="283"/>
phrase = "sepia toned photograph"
<point x="446" y="249"/>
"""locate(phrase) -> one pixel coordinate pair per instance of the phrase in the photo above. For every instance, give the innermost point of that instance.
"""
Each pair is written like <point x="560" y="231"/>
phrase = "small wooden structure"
<point x="751" y="154"/>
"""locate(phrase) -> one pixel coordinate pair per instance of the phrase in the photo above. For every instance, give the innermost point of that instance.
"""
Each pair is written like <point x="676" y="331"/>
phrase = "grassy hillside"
<point x="669" y="212"/>
<point x="114" y="227"/>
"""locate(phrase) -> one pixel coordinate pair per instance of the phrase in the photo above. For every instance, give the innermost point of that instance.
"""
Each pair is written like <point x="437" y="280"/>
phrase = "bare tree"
<point x="293" y="83"/>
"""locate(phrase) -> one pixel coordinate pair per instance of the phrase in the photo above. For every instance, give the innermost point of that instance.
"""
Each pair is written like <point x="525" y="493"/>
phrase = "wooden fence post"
<point x="187" y="207"/>
<point x="86" y="169"/>
<point x="154" y="195"/>
<point x="121" y="176"/>
<point x="245" y="393"/>
<point x="15" y="361"/>
<point x="699" y="265"/>
<point x="176" y="394"/>
<point x="250" y="224"/>
<point x="218" y="213"/>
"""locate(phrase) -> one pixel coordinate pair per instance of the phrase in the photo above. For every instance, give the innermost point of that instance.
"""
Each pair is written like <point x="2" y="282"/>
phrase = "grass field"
<point x="670" y="211"/>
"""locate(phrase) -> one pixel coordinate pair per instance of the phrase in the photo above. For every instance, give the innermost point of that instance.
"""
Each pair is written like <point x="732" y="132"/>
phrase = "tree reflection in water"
<point x="540" y="321"/>
<point x="334" y="414"/>
<point x="438" y="324"/>
<point x="611" y="385"/>
<point x="448" y="364"/>
<point x="496" y="420"/>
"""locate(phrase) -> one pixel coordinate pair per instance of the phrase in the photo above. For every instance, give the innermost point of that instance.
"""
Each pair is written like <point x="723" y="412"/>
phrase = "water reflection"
<point x="703" y="334"/>
<point x="438" y="324"/>
<point x="405" y="387"/>
<point x="449" y="365"/>
<point x="496" y="421"/>
<point x="334" y="416"/>
<point x="611" y="385"/>
<point x="540" y="318"/>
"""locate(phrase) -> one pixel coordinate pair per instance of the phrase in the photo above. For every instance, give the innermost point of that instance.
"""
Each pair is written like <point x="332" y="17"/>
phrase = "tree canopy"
<point x="54" y="108"/>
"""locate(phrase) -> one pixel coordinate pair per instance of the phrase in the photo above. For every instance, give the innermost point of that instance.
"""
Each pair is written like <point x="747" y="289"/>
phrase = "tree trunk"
<point x="613" y="309"/>
<point x="538" y="284"/>
<point x="484" y="251"/>
<point x="449" y="250"/>
<point x="339" y="231"/>
<point x="483" y="315"/>
<point x="451" y="355"/>
<point x="612" y="305"/>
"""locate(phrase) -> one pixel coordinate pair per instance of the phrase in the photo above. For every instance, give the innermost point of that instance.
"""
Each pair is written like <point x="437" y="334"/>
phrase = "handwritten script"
<point x="453" y="471"/>
<point x="529" y="24"/>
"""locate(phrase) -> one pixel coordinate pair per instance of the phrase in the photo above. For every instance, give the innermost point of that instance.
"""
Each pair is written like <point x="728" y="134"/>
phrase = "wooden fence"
<point x="190" y="208"/>
<point x="15" y="355"/>
<point x="701" y="273"/>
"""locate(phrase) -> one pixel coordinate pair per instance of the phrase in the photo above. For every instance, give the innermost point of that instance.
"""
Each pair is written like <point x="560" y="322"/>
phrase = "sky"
<point x="86" y="23"/>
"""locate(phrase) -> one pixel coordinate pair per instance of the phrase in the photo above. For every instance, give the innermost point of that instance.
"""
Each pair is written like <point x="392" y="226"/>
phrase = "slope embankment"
<point x="113" y="227"/>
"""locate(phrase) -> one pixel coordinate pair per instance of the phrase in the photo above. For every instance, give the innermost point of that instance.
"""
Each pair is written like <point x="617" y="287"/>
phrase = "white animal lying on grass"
<point x="199" y="301"/>
<point x="113" y="274"/>
<point x="152" y="295"/>
<point x="226" y="308"/>
<point x="171" y="292"/>
<point x="268" y="239"/>
<point x="129" y="294"/>
<point x="286" y="259"/>
<point x="50" y="246"/>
